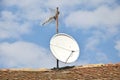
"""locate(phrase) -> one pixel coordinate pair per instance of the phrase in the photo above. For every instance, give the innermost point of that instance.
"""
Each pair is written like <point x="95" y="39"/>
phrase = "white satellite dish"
<point x="64" y="48"/>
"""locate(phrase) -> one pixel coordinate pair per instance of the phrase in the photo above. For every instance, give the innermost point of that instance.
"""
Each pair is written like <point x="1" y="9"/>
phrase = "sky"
<point x="24" y="42"/>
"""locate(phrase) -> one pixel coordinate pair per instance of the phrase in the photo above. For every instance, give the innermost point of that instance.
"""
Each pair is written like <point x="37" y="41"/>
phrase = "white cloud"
<point x="21" y="3"/>
<point x="33" y="9"/>
<point x="101" y="57"/>
<point x="94" y="46"/>
<point x="92" y="49"/>
<point x="97" y="3"/>
<point x="103" y="16"/>
<point x="117" y="46"/>
<point x="10" y="25"/>
<point x="28" y="9"/>
<point x="91" y="44"/>
<point x="18" y="17"/>
<point x="25" y="54"/>
<point x="27" y="12"/>
<point x="102" y="22"/>
<point x="62" y="3"/>
<point x="70" y="5"/>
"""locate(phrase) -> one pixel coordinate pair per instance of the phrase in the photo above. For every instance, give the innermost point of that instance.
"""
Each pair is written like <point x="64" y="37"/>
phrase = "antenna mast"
<point x="57" y="13"/>
<point x="55" y="17"/>
<point x="57" y="31"/>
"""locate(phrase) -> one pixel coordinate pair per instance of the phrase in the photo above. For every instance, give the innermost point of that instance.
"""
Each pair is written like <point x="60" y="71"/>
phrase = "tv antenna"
<point x="55" y="17"/>
<point x="63" y="46"/>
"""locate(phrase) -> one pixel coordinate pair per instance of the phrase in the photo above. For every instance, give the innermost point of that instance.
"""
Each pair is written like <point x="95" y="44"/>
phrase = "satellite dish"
<point x="64" y="48"/>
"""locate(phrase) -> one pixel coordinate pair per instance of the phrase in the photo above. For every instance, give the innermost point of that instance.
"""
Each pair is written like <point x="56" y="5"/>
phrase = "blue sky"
<point x="24" y="43"/>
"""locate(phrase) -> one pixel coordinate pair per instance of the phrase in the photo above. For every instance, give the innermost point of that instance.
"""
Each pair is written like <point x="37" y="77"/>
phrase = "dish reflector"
<point x="64" y="48"/>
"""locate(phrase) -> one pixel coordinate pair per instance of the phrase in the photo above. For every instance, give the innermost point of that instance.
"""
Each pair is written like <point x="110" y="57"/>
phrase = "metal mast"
<point x="55" y="17"/>
<point x="57" y="31"/>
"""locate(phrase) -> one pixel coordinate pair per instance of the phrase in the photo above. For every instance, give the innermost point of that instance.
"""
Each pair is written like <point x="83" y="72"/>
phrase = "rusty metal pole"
<point x="57" y="13"/>
<point x="57" y="31"/>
